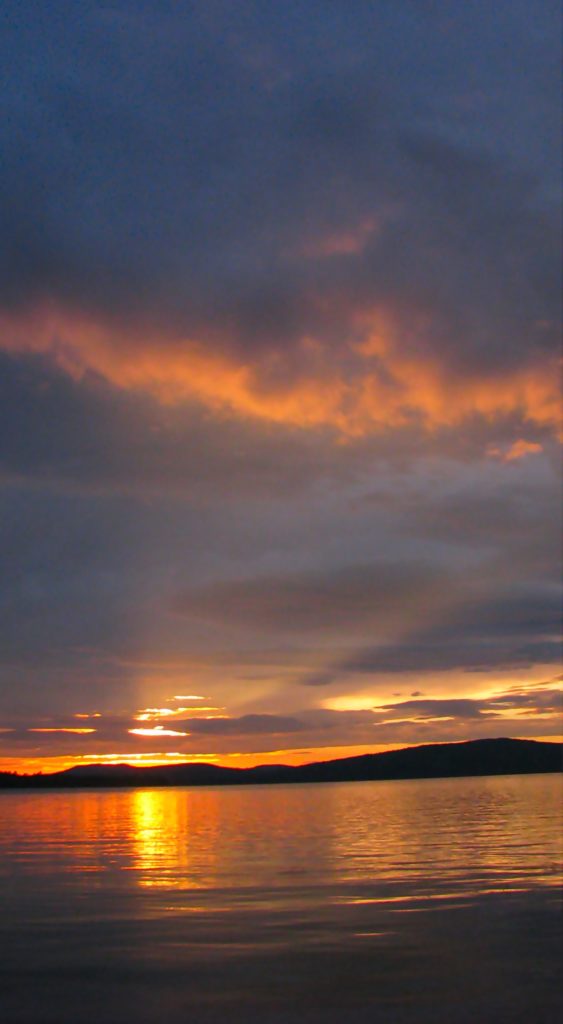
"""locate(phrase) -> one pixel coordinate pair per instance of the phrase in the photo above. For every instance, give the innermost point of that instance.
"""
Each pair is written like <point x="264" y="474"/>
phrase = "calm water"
<point x="282" y="903"/>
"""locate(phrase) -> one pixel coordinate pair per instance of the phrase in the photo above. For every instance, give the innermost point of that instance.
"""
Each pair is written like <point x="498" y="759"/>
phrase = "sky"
<point x="279" y="372"/>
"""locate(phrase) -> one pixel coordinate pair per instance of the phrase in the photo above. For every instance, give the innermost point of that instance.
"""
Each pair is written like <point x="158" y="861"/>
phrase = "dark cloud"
<point x="85" y="436"/>
<point x="533" y="701"/>
<point x="428" y="658"/>
<point x="246" y="725"/>
<point x="354" y="597"/>
<point x="429" y="709"/>
<point x="523" y="612"/>
<point x="516" y="627"/>
<point x="175" y="171"/>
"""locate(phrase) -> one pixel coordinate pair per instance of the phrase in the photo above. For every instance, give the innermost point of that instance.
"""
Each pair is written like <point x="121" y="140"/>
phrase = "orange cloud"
<point x="366" y="387"/>
<point x="53" y="729"/>
<point x="152" y="714"/>
<point x="519" y="450"/>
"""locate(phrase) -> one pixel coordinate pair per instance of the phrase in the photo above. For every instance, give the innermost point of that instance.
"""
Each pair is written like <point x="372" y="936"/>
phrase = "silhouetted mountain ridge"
<point x="501" y="756"/>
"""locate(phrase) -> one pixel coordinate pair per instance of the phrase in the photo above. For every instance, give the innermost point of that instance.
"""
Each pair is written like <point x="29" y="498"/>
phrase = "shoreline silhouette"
<point x="502" y="756"/>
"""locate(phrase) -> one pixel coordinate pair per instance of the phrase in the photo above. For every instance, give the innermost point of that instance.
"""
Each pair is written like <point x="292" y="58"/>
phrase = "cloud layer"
<point x="197" y="208"/>
<point x="279" y="392"/>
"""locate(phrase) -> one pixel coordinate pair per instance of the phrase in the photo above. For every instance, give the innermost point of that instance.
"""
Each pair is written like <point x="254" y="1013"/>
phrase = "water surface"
<point x="410" y="900"/>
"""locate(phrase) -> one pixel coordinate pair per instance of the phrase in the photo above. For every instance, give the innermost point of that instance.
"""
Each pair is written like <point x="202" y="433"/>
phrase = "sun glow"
<point x="153" y="714"/>
<point x="157" y="730"/>
<point x="187" y="696"/>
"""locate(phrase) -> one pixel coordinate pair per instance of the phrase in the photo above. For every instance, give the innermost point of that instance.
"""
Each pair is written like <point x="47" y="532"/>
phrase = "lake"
<point x="409" y="901"/>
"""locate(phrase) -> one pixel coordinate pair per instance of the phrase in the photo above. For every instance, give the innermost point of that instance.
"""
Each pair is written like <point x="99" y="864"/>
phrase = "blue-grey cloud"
<point x="191" y="171"/>
<point x="245" y="725"/>
<point x="354" y="596"/>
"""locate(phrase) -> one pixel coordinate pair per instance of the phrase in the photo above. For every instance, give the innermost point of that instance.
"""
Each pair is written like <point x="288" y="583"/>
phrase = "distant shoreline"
<point x="475" y="758"/>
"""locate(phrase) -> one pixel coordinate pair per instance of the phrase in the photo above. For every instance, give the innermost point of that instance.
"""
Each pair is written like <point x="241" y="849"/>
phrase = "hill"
<point x="441" y="760"/>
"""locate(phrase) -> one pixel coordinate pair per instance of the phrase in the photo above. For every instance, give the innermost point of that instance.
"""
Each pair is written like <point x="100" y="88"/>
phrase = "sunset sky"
<point x="279" y="377"/>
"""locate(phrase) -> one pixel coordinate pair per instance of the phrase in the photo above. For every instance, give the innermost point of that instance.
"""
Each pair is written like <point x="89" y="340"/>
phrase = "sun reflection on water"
<point x="358" y="843"/>
<point x="161" y="830"/>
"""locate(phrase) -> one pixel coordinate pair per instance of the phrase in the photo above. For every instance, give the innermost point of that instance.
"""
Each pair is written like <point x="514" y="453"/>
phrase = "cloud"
<point x="536" y="701"/>
<point x="279" y="301"/>
<point x="84" y="436"/>
<point x="475" y="633"/>
<point x="245" y="725"/>
<point x="429" y="709"/>
<point x="287" y="237"/>
<point x="532" y="700"/>
<point x="518" y="450"/>
<point x="520" y="709"/>
<point x="429" y="658"/>
<point x="355" y="597"/>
